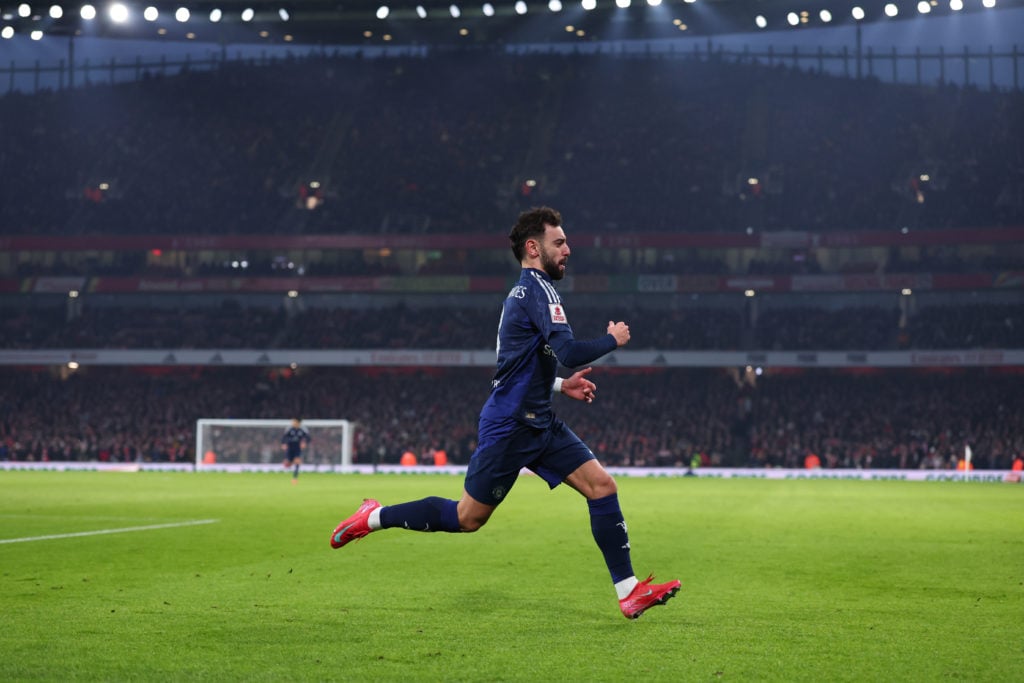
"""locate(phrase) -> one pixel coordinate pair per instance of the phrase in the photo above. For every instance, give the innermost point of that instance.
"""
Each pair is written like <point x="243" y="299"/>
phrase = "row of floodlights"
<point x="793" y="18"/>
<point x="519" y="7"/>
<point x="891" y="10"/>
<point x="119" y="12"/>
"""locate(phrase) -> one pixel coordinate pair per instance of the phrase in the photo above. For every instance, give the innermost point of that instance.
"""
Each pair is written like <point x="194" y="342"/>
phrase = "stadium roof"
<point x="482" y="22"/>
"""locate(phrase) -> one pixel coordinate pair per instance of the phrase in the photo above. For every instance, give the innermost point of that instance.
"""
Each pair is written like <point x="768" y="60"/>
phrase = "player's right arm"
<point x="573" y="353"/>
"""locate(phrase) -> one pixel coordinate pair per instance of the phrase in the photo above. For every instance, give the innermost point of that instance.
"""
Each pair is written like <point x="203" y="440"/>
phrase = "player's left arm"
<point x="577" y="386"/>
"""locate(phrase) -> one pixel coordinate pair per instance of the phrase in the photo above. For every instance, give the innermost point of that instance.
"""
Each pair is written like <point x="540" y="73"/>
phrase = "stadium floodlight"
<point x="924" y="7"/>
<point x="216" y="14"/>
<point x="891" y="10"/>
<point x="555" y="5"/>
<point x="588" y="4"/>
<point x="88" y="12"/>
<point x="283" y="14"/>
<point x="56" y="11"/>
<point x="36" y="35"/>
<point x="455" y="11"/>
<point x="24" y="10"/>
<point x="182" y="14"/>
<point x="760" y="21"/>
<point x="825" y="16"/>
<point x="383" y="11"/>
<point x="248" y="14"/>
<point x="118" y="13"/>
<point x="956" y="5"/>
<point x="151" y="13"/>
<point x="654" y="3"/>
<point x="7" y="32"/>
<point x="421" y="11"/>
<point x="988" y="3"/>
<point x="793" y="18"/>
<point x="488" y="9"/>
<point x="520" y="7"/>
<point x="622" y="4"/>
<point x="858" y="13"/>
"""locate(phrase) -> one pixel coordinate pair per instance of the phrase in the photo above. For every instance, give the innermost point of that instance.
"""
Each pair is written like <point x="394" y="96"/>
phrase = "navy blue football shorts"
<point x="553" y="454"/>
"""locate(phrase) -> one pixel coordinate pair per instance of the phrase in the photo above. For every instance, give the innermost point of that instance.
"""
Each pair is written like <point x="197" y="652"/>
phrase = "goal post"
<point x="256" y="444"/>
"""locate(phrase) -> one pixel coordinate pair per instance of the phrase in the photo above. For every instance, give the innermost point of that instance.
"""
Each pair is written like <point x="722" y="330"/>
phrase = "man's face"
<point x="554" y="252"/>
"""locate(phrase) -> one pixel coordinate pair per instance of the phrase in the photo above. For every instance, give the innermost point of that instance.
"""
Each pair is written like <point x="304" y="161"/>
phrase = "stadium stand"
<point x="631" y="146"/>
<point x="619" y="143"/>
<point x="231" y="326"/>
<point x="897" y="419"/>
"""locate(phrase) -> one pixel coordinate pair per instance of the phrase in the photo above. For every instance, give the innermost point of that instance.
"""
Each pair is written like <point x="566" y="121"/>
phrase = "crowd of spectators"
<point x="887" y="419"/>
<point x="804" y="328"/>
<point x="487" y="262"/>
<point x="966" y="327"/>
<point x="458" y="142"/>
<point x="231" y="326"/>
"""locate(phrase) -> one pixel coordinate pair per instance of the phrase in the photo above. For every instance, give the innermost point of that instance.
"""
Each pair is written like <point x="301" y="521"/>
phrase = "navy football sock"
<point x="295" y="472"/>
<point x="609" y="529"/>
<point x="428" y="514"/>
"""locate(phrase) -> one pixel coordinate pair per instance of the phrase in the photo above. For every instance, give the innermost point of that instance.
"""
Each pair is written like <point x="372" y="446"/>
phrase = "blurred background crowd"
<point x="450" y="147"/>
<point x="231" y="326"/>
<point x="665" y="417"/>
<point x="458" y="142"/>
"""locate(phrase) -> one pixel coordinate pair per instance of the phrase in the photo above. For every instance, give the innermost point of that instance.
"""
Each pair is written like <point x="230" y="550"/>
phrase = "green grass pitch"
<point x="805" y="580"/>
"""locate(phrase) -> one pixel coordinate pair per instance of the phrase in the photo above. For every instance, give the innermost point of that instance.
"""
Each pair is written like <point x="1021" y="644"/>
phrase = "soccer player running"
<point x="518" y="428"/>
<point x="293" y="443"/>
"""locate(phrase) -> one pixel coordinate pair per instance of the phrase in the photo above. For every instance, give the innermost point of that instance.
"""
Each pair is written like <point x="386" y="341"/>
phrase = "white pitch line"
<point x="110" y="531"/>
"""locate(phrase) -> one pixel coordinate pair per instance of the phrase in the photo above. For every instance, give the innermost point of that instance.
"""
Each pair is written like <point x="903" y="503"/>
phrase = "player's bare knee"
<point x="604" y="486"/>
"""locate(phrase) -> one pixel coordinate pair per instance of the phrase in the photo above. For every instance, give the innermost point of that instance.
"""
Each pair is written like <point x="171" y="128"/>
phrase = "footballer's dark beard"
<point x="551" y="268"/>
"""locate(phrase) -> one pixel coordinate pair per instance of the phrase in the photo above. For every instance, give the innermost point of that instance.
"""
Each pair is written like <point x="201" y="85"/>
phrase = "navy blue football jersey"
<point x="534" y="336"/>
<point x="293" y="439"/>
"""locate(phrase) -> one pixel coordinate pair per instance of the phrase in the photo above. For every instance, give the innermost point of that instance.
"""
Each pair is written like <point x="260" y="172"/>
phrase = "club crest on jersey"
<point x="558" y="314"/>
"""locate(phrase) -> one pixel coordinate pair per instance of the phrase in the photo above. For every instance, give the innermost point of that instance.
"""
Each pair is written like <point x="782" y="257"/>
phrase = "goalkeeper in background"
<point x="518" y="427"/>
<point x="294" y="441"/>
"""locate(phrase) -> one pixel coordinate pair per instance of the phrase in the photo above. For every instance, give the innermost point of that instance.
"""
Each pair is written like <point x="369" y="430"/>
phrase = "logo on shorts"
<point x="498" y="492"/>
<point x="557" y="314"/>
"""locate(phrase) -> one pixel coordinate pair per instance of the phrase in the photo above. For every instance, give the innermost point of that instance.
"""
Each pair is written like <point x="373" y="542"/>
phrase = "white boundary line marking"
<point x="110" y="531"/>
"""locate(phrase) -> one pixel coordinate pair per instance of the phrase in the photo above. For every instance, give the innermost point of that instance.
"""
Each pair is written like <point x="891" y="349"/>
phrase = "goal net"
<point x="256" y="444"/>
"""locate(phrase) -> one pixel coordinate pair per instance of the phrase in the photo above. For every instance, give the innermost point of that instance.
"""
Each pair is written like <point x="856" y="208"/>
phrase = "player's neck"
<point x="535" y="266"/>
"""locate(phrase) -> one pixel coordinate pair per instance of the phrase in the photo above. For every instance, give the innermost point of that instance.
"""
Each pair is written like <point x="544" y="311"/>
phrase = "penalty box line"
<point x="99" y="532"/>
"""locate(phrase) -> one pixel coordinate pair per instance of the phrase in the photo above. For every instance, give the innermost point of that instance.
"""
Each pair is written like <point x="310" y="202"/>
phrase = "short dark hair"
<point x="531" y="225"/>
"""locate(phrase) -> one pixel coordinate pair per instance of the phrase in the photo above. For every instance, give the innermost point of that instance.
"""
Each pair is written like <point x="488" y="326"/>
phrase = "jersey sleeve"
<point x="548" y="314"/>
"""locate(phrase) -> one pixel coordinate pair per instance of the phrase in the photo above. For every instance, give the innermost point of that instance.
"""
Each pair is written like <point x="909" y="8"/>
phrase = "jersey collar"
<point x="542" y="273"/>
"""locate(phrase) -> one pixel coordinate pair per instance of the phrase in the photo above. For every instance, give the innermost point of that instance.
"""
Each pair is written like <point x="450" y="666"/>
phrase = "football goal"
<point x="256" y="444"/>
